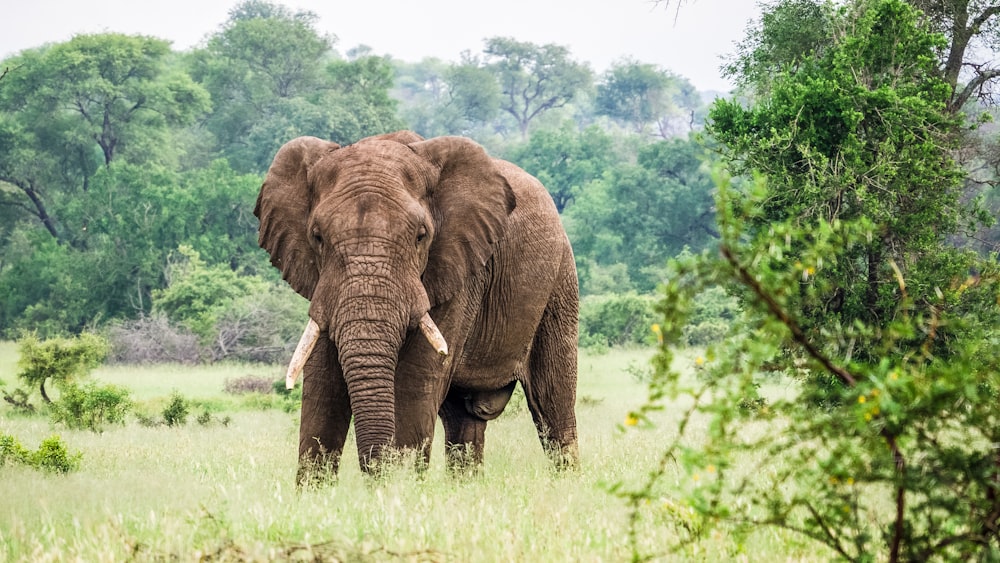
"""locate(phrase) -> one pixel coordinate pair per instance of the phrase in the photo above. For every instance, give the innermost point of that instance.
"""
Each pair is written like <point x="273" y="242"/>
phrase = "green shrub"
<point x="176" y="411"/>
<point x="705" y="333"/>
<point x="204" y="418"/>
<point x="616" y="319"/>
<point x="52" y="454"/>
<point x="63" y="360"/>
<point x="11" y="450"/>
<point x="91" y="406"/>
<point x="712" y="315"/>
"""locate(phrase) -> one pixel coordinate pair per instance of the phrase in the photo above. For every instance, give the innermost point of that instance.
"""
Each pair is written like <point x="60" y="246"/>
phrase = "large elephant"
<point x="439" y="277"/>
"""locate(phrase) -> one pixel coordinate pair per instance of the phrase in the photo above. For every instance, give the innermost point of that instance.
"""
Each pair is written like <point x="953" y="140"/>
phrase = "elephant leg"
<point x="420" y="388"/>
<point x="550" y="384"/>
<point x="464" y="433"/>
<point x="326" y="415"/>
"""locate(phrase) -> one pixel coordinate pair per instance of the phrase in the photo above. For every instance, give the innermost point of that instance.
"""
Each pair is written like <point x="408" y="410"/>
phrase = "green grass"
<point x="226" y="492"/>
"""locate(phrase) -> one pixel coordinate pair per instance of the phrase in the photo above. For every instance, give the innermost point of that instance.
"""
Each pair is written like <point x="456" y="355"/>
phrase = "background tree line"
<point x="127" y="170"/>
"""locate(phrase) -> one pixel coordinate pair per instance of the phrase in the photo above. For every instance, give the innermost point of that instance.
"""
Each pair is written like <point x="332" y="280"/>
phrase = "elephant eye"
<point x="317" y="237"/>
<point x="421" y="234"/>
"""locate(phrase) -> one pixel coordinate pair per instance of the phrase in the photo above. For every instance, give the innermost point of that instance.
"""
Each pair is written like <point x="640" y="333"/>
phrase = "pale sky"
<point x="596" y="31"/>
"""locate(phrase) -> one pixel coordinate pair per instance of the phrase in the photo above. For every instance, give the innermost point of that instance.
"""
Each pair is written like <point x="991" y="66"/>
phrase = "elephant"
<point x="438" y="278"/>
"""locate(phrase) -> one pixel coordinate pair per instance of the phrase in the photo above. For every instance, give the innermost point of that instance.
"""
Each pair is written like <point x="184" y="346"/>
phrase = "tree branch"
<point x="797" y="335"/>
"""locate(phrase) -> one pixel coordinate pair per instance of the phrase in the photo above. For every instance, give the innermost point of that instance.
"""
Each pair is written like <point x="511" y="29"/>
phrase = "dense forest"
<point x="129" y="171"/>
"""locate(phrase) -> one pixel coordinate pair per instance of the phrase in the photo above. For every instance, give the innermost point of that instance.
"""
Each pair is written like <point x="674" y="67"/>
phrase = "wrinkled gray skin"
<point x="378" y="233"/>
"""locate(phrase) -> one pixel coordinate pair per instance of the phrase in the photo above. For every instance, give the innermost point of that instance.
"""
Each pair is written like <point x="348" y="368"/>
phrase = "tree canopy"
<point x="115" y="151"/>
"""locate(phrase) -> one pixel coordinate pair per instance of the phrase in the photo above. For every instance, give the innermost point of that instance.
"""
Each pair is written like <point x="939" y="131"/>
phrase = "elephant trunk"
<point x="367" y="317"/>
<point x="368" y="329"/>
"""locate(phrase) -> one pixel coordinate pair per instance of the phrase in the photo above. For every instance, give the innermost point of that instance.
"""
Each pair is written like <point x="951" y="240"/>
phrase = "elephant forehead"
<point x="368" y="210"/>
<point x="382" y="162"/>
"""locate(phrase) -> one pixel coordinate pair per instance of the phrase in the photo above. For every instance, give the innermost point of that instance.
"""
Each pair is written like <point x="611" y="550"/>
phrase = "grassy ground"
<point x="226" y="492"/>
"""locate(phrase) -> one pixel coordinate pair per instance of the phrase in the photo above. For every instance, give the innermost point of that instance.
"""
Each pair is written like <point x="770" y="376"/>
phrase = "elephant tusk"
<point x="433" y="334"/>
<point x="302" y="351"/>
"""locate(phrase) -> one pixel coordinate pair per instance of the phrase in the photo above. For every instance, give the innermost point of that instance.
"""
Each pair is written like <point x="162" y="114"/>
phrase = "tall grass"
<point x="226" y="492"/>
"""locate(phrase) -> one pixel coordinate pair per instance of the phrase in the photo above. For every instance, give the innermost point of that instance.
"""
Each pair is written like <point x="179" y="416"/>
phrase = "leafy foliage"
<point x="62" y="360"/>
<point x="616" y="320"/>
<point x="197" y="293"/>
<point x="896" y="459"/>
<point x="859" y="133"/>
<point x="51" y="455"/>
<point x="640" y="95"/>
<point x="91" y="406"/>
<point x="176" y="411"/>
<point x="566" y="162"/>
<point x="890" y="437"/>
<point x="712" y="316"/>
<point x="640" y="215"/>
<point x="270" y="72"/>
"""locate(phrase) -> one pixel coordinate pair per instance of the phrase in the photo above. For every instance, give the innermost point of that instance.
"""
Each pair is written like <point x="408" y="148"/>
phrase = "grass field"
<point x="226" y="492"/>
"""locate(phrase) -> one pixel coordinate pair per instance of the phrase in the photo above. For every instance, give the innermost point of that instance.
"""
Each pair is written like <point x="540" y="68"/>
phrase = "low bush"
<point x="61" y="360"/>
<point x="91" y="406"/>
<point x="616" y="319"/>
<point x="176" y="411"/>
<point x="712" y="315"/>
<point x="52" y="455"/>
<point x="206" y="418"/>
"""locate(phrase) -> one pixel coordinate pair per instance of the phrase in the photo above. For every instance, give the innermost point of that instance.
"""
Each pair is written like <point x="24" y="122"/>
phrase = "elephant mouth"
<point x="311" y="335"/>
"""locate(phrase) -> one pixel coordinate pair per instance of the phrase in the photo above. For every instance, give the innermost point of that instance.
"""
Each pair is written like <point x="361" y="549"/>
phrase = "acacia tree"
<point x="63" y="360"/>
<point x="75" y="106"/>
<point x="533" y="79"/>
<point x="641" y="94"/>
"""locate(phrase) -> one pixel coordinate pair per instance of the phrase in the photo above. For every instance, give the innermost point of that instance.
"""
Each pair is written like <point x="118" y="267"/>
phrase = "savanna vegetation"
<point x="811" y="262"/>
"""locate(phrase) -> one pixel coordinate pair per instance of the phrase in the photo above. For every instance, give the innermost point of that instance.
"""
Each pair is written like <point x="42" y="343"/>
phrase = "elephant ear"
<point x="283" y="206"/>
<point x="470" y="201"/>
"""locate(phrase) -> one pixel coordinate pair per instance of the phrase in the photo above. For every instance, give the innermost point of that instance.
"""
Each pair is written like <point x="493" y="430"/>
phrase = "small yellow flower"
<point x="876" y="411"/>
<point x="894" y="376"/>
<point x="868" y="417"/>
<point x="696" y="477"/>
<point x="710" y="468"/>
<point x="850" y="480"/>
<point x="875" y="392"/>
<point x="699" y="361"/>
<point x="631" y="420"/>
<point x="862" y="399"/>
<point x="834" y="480"/>
<point x="658" y="332"/>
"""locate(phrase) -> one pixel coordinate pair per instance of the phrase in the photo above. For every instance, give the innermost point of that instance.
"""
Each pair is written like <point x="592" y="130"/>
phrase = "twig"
<point x="797" y="335"/>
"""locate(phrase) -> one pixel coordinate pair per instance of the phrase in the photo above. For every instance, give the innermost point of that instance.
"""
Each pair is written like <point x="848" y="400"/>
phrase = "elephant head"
<point x="376" y="234"/>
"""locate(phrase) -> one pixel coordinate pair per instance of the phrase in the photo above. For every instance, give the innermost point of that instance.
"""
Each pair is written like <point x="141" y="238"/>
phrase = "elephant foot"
<point x="317" y="471"/>
<point x="463" y="460"/>
<point x="564" y="457"/>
